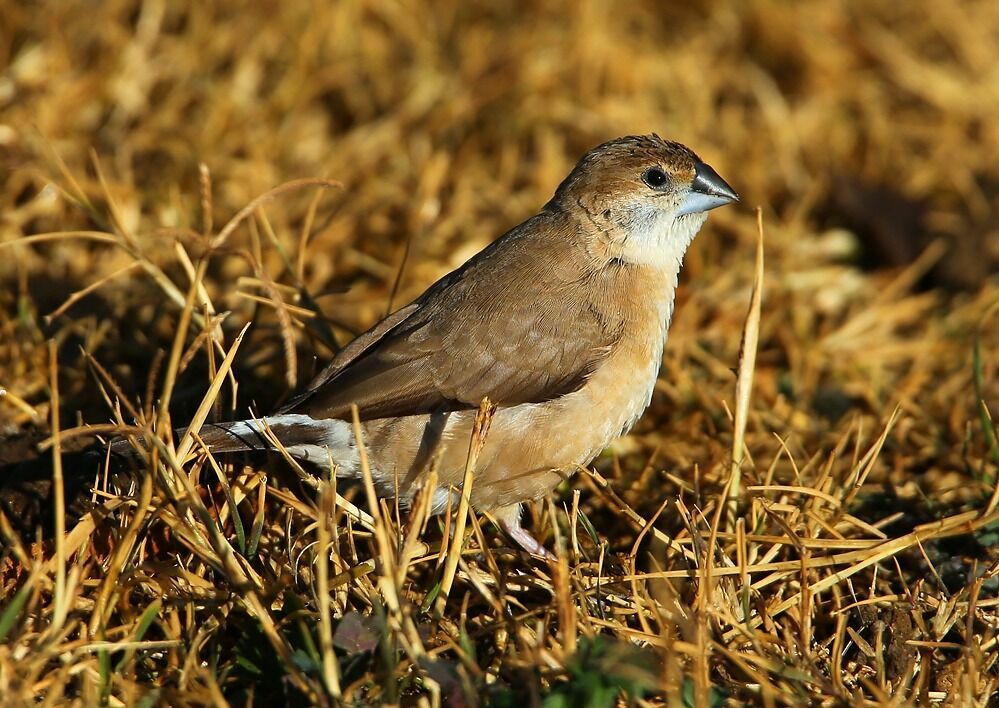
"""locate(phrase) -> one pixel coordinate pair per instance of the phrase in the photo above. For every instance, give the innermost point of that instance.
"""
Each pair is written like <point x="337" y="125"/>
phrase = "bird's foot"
<point x="525" y="540"/>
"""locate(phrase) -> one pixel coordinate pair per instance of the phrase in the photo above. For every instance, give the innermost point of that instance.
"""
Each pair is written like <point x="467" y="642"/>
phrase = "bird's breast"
<point x="531" y="446"/>
<point x="619" y="391"/>
<point x="528" y="442"/>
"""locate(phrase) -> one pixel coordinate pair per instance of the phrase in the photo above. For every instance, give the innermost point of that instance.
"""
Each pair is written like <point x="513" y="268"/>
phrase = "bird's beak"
<point x="707" y="191"/>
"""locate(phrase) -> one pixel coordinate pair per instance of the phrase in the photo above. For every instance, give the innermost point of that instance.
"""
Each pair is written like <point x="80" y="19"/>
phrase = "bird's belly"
<point x="530" y="448"/>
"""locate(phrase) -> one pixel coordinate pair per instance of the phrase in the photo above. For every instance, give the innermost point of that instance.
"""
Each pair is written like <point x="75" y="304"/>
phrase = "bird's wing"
<point x="357" y="346"/>
<point x="509" y="326"/>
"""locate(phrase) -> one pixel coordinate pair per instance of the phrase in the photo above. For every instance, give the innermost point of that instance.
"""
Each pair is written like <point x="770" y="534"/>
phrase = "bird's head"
<point x="642" y="199"/>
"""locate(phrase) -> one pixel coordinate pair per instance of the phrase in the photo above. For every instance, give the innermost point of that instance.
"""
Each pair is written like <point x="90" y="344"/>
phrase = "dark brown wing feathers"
<point x="477" y="332"/>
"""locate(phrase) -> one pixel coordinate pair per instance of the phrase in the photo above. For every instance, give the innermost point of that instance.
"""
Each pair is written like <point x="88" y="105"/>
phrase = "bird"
<point x="560" y="323"/>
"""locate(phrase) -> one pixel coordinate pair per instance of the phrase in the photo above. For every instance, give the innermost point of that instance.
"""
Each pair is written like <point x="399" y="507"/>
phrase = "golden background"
<point x="865" y="131"/>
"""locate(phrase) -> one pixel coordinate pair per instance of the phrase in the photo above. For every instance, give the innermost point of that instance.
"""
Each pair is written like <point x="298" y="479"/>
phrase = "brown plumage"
<point x="560" y="322"/>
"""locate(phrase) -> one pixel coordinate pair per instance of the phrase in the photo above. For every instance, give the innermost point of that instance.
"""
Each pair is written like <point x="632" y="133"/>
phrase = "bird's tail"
<point x="306" y="438"/>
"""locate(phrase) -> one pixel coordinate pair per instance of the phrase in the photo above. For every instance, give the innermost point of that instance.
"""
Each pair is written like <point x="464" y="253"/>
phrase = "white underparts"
<point x="330" y="439"/>
<point x="327" y="439"/>
<point x="439" y="502"/>
<point x="658" y="239"/>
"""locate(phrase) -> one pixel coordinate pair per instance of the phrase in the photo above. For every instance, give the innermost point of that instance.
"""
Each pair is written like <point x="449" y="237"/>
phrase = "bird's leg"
<point x="509" y="520"/>
<point x="526" y="541"/>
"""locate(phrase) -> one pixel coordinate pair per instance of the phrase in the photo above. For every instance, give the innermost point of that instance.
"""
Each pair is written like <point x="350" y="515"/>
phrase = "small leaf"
<point x="356" y="634"/>
<point x="590" y="530"/>
<point x="150" y="700"/>
<point x="428" y="601"/>
<point x="304" y="662"/>
<point x="465" y="642"/>
<point x="247" y="664"/>
<point x="294" y="604"/>
<point x="12" y="612"/>
<point x="104" y="668"/>
<point x="145" y="622"/>
<point x="445" y="673"/>
<point x="988" y="535"/>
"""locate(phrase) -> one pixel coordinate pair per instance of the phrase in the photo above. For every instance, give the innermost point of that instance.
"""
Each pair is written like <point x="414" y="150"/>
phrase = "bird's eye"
<point x="655" y="177"/>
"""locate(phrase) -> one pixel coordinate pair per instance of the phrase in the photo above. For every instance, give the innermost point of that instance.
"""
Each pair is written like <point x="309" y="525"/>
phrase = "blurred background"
<point x="864" y="131"/>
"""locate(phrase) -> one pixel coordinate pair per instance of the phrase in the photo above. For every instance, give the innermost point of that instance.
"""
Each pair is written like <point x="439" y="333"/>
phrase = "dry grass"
<point x="861" y="564"/>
